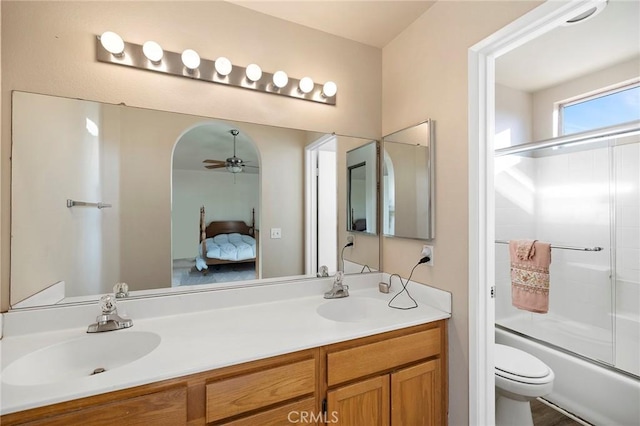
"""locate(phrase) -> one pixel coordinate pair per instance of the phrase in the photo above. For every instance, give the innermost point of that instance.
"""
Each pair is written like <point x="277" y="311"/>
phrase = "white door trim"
<point x="481" y="112"/>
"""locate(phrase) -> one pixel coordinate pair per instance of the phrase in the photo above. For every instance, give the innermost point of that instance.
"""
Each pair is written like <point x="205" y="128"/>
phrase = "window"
<point x="602" y="110"/>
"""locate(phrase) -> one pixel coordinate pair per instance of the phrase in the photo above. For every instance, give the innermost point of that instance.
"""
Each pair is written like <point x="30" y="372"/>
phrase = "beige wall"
<point x="57" y="56"/>
<point x="513" y="120"/>
<point x="425" y="76"/>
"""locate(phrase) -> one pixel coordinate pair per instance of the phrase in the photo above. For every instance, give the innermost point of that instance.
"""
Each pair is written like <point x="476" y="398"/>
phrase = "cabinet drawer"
<point x="160" y="408"/>
<point x="236" y="395"/>
<point x="296" y="412"/>
<point x="360" y="361"/>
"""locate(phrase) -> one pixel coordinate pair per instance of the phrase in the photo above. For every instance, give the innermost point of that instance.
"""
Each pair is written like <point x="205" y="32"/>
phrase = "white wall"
<point x="513" y="119"/>
<point x="225" y="197"/>
<point x="55" y="161"/>
<point x="425" y="76"/>
<point x="57" y="56"/>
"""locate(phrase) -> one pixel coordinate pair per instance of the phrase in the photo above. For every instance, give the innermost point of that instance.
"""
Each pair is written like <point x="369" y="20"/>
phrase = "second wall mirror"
<point x="408" y="182"/>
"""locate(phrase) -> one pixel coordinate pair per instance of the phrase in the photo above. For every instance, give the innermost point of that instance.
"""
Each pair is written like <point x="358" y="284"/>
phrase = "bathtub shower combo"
<point x="582" y="195"/>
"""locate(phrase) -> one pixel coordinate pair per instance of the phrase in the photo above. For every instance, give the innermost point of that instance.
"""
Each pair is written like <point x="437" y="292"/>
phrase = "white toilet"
<point x="520" y="377"/>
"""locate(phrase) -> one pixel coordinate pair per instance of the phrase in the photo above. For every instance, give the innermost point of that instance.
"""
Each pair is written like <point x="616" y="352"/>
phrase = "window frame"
<point x="586" y="97"/>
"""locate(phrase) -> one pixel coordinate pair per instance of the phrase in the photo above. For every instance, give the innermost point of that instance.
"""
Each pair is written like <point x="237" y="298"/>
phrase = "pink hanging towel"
<point x="530" y="262"/>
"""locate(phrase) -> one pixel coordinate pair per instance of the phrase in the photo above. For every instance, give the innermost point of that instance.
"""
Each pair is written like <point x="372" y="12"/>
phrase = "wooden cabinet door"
<point x="416" y="395"/>
<point x="365" y="403"/>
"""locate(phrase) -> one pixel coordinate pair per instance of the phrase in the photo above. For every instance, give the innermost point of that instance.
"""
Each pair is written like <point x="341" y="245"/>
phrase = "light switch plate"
<point x="276" y="233"/>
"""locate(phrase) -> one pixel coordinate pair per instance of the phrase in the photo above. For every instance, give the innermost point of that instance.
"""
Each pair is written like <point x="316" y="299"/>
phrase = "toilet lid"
<point x="519" y="363"/>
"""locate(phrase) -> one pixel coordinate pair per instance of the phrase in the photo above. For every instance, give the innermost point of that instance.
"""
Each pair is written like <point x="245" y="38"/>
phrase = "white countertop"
<point x="253" y="326"/>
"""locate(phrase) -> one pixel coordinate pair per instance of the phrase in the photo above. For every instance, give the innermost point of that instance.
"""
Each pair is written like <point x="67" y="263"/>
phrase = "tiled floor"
<point x="543" y="415"/>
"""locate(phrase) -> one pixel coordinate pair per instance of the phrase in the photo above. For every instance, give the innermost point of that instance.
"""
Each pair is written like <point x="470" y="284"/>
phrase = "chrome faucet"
<point x="109" y="319"/>
<point x="338" y="290"/>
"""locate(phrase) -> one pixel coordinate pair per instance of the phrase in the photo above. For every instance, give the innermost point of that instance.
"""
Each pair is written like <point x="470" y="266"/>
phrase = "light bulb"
<point x="329" y="89"/>
<point x="223" y="66"/>
<point x="112" y="43"/>
<point x="306" y="85"/>
<point x="152" y="51"/>
<point x="254" y="72"/>
<point x="191" y="59"/>
<point x="280" y="79"/>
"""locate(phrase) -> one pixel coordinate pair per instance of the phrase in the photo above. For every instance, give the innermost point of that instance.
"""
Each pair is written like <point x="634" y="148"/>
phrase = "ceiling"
<point x="213" y="141"/>
<point x="374" y="23"/>
<point x="567" y="52"/>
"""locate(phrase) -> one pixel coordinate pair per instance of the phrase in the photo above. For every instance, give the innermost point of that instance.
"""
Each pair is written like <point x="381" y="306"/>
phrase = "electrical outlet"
<point x="351" y="240"/>
<point x="427" y="251"/>
<point x="276" y="233"/>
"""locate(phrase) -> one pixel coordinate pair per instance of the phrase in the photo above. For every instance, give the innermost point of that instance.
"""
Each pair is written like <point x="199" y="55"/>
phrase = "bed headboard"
<point x="225" y="226"/>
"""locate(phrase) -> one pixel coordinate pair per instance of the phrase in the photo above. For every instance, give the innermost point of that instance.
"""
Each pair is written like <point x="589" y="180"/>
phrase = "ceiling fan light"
<point x="234" y="168"/>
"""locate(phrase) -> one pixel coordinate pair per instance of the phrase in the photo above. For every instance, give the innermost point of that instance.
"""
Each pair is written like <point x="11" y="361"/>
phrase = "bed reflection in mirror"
<point x="408" y="182"/>
<point x="155" y="170"/>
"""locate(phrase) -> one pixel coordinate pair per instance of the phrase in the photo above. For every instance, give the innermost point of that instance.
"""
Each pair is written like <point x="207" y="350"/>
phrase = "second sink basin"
<point x="351" y="309"/>
<point x="80" y="358"/>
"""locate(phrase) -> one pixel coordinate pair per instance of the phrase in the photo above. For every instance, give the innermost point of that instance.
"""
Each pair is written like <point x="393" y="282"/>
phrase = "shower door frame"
<point x="481" y="116"/>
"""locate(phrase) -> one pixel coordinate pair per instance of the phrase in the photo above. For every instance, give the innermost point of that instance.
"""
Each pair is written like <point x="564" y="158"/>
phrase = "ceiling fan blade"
<point x="253" y="167"/>
<point x="215" y="166"/>
<point x="214" y="161"/>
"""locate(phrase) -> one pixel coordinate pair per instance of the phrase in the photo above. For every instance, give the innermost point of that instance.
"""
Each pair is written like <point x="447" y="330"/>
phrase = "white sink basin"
<point x="351" y="309"/>
<point x="80" y="358"/>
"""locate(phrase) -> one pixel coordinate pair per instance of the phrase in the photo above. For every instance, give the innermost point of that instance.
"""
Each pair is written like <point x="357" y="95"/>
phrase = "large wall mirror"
<point x="174" y="202"/>
<point x="408" y="182"/>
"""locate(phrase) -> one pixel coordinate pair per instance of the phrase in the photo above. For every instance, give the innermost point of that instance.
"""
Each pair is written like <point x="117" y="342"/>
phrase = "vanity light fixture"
<point x="254" y="72"/>
<point x="110" y="48"/>
<point x="280" y="79"/>
<point x="113" y="43"/>
<point x="306" y="85"/>
<point x="152" y="51"/>
<point x="223" y="66"/>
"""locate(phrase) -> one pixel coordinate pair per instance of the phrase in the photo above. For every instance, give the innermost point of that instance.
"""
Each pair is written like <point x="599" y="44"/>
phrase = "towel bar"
<point x="562" y="247"/>
<point x="72" y="203"/>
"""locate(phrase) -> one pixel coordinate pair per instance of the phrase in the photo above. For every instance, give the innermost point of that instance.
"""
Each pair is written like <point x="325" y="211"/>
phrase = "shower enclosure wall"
<point x="579" y="196"/>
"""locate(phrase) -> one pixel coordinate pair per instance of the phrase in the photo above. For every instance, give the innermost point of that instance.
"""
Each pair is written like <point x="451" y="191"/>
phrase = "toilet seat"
<point x="514" y="364"/>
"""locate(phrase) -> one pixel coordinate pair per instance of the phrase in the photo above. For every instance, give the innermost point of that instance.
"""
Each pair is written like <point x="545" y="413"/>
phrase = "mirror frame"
<point x="431" y="175"/>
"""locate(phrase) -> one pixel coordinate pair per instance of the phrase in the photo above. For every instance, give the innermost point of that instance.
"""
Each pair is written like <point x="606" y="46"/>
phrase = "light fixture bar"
<point x="171" y="63"/>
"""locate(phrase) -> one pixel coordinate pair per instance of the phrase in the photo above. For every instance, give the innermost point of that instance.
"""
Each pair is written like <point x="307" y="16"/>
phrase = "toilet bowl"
<point x="520" y="377"/>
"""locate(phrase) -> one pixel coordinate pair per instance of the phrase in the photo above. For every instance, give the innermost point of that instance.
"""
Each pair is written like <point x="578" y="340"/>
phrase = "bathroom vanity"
<point x="286" y="360"/>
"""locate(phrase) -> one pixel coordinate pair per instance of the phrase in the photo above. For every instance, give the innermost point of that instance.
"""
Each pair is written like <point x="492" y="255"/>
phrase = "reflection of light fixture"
<point x="152" y="51"/>
<point x="254" y="72"/>
<point x="306" y="85"/>
<point x="223" y="66"/>
<point x="280" y="79"/>
<point x="234" y="164"/>
<point x="113" y="43"/>
<point x="191" y="59"/>
<point x="329" y="89"/>
<point x="110" y="48"/>
<point x="588" y="14"/>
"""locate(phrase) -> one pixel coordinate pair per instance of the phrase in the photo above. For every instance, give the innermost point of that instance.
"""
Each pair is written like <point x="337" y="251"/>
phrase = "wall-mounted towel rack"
<point x="73" y="203"/>
<point x="562" y="247"/>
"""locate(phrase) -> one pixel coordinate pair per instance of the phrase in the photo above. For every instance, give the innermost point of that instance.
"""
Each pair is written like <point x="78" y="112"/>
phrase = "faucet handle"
<point x="107" y="304"/>
<point x="339" y="277"/>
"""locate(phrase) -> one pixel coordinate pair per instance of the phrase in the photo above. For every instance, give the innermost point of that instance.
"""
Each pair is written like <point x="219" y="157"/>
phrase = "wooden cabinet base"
<point x="395" y="378"/>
